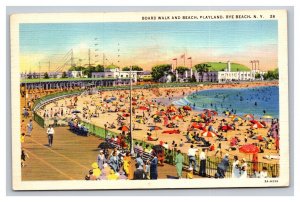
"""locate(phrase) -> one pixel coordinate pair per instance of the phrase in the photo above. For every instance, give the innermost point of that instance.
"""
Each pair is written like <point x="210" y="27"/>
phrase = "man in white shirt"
<point x="50" y="132"/>
<point x="192" y="157"/>
<point x="202" y="171"/>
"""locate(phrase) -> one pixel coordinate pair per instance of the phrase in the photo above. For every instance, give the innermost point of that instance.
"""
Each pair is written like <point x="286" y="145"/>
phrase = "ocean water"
<point x="257" y="100"/>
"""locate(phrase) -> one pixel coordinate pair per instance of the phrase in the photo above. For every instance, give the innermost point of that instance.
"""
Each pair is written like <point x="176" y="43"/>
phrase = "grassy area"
<point x="220" y="66"/>
<point x="64" y="79"/>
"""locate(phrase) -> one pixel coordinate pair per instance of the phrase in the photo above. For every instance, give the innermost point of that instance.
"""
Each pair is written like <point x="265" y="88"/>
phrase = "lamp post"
<point x="130" y="125"/>
<point x="105" y="133"/>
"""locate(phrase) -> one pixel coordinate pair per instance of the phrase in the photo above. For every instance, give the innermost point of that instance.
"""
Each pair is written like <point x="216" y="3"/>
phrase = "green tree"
<point x="64" y="75"/>
<point x="271" y="75"/>
<point x="181" y="70"/>
<point x="134" y="68"/>
<point x="257" y="75"/>
<point x="159" y="71"/>
<point x="46" y="76"/>
<point x="200" y="68"/>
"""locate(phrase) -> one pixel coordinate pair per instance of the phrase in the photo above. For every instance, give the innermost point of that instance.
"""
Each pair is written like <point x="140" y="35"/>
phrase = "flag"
<point x="175" y="59"/>
<point x="189" y="58"/>
<point x="182" y="56"/>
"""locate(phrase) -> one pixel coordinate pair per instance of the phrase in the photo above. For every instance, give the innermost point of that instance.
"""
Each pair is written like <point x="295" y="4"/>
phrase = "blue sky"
<point x="148" y="43"/>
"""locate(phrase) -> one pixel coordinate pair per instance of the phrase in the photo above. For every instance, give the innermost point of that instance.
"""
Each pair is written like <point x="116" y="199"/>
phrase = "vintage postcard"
<point x="149" y="100"/>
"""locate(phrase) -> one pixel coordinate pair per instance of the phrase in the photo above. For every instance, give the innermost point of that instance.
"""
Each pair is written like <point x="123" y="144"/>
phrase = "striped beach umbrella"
<point x="209" y="134"/>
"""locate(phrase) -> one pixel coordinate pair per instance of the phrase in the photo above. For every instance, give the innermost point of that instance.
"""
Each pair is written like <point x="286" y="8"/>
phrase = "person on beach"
<point x="179" y="163"/>
<point x="50" y="133"/>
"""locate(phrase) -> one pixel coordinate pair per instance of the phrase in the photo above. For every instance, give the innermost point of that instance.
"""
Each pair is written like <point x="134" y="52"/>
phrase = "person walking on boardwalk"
<point x="50" y="132"/>
<point x="202" y="171"/>
<point x="29" y="127"/>
<point x="153" y="167"/>
<point x="179" y="163"/>
<point x="192" y="157"/>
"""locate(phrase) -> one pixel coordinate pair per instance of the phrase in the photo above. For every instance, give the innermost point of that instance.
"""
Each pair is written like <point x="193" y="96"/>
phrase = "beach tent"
<point x="209" y="134"/>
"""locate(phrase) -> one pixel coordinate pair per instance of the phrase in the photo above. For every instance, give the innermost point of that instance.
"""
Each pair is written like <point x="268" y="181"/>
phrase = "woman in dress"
<point x="235" y="168"/>
<point x="101" y="159"/>
<point x="244" y="168"/>
<point x="179" y="163"/>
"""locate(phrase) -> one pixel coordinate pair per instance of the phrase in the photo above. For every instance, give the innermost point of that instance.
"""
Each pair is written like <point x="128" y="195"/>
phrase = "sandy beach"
<point x="147" y="103"/>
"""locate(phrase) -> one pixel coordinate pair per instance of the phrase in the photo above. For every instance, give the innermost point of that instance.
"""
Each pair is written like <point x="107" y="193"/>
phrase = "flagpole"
<point x="130" y="124"/>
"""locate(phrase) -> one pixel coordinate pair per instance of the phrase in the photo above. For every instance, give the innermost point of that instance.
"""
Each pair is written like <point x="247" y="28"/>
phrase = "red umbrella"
<point x="257" y="125"/>
<point x="176" y="117"/>
<point x="197" y="125"/>
<point x="124" y="128"/>
<point x="249" y="149"/>
<point x="187" y="108"/>
<point x="126" y="115"/>
<point x="143" y="108"/>
<point x="209" y="134"/>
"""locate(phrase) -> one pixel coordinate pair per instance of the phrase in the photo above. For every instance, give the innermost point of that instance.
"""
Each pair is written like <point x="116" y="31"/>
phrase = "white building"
<point x="228" y="75"/>
<point x="74" y="74"/>
<point x="115" y="73"/>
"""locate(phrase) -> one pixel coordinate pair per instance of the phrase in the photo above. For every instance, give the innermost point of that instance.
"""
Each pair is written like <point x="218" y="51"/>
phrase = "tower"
<point x="228" y="66"/>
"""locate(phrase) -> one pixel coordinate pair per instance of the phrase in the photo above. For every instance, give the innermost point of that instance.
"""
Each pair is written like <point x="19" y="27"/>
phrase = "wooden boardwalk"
<point x="69" y="158"/>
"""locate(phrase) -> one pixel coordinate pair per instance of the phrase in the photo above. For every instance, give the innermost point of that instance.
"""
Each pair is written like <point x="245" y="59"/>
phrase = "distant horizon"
<point x="147" y="44"/>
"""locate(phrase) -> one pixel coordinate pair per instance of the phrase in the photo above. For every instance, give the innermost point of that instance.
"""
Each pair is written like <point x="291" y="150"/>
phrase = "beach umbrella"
<point x="126" y="115"/>
<point x="140" y="121"/>
<point x="154" y="116"/>
<point x="76" y="112"/>
<point x="154" y="128"/>
<point x="249" y="149"/>
<point x="249" y="116"/>
<point x="202" y="115"/>
<point x="160" y="113"/>
<point x="177" y="117"/>
<point x="143" y="108"/>
<point x="215" y="113"/>
<point x="232" y="116"/>
<point x="226" y="113"/>
<point x="186" y="107"/>
<point x="209" y="134"/>
<point x="260" y="138"/>
<point x="134" y="103"/>
<point x="267" y="117"/>
<point x="257" y="125"/>
<point x="237" y="119"/>
<point x="123" y="128"/>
